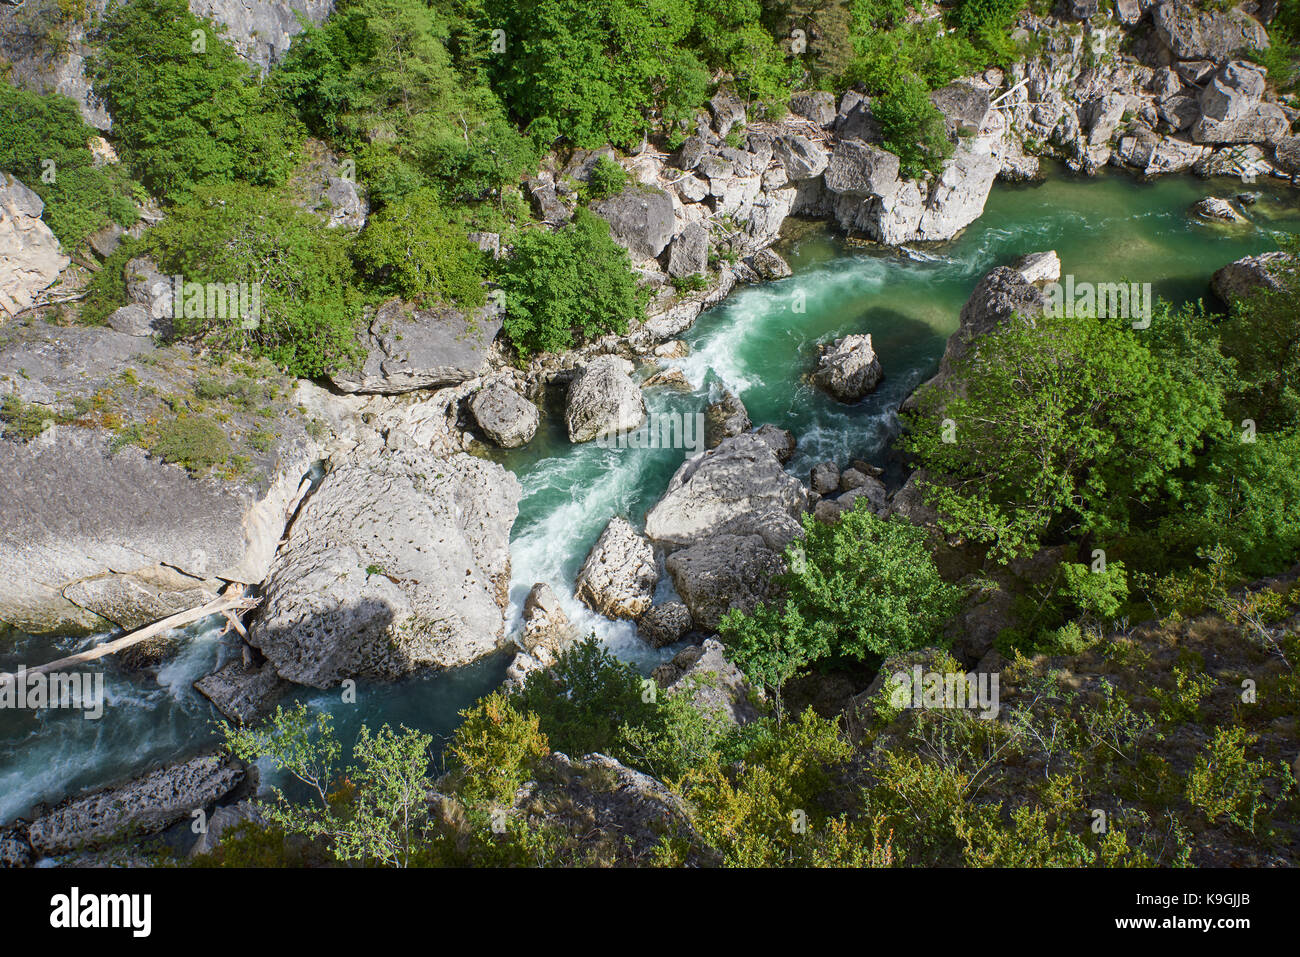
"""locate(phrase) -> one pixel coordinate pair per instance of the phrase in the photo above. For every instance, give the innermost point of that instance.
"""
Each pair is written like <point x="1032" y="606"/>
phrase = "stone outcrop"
<point x="94" y="536"/>
<point x="1232" y="110"/>
<point x="715" y="684"/>
<point x="147" y="805"/>
<point x="261" y="30"/>
<point x="737" y="489"/>
<point x="665" y="624"/>
<point x="397" y="562"/>
<point x="848" y="369"/>
<point x="408" y="349"/>
<point x="618" y="578"/>
<point x="30" y="255"/>
<point x="603" y="400"/>
<point x="504" y="416"/>
<point x="1239" y="279"/>
<point x="1194" y="33"/>
<point x="640" y="219"/>
<point x="720" y="573"/>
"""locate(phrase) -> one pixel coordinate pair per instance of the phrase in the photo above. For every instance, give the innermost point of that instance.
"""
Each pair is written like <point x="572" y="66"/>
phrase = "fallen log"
<point x="227" y="603"/>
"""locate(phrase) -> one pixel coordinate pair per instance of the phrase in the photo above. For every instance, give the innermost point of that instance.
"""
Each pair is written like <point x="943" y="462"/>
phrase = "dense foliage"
<point x="43" y="142"/>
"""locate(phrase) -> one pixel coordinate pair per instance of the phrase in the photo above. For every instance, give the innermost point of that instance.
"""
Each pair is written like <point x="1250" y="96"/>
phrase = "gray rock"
<point x="224" y="819"/>
<point x="861" y="170"/>
<point x="801" y="157"/>
<point x="132" y="320"/>
<point x="848" y="369"/>
<point x="242" y="693"/>
<point x="769" y="265"/>
<point x="825" y="478"/>
<point x="739" y="488"/>
<point x="664" y="624"/>
<point x="547" y="204"/>
<point x="1039" y="267"/>
<point x="780" y="441"/>
<point x="1205" y="34"/>
<point x="261" y="30"/>
<point x="1129" y="12"/>
<point x="1240" y="279"/>
<point x="640" y="220"/>
<point x="410" y="349"/>
<point x="397" y="562"/>
<point x="728" y="111"/>
<point x="817" y="107"/>
<point x="715" y="684"/>
<point x="30" y="256"/>
<point x="856" y="121"/>
<point x="547" y="630"/>
<point x="723" y="419"/>
<point x="603" y="400"/>
<point x="1286" y="154"/>
<point x="965" y="107"/>
<point x="689" y="253"/>
<point x="872" y="489"/>
<point x="720" y="573"/>
<point x="1232" y="111"/>
<point x="1217" y="210"/>
<point x="504" y="416"/>
<point x="148" y="804"/>
<point x="619" y="575"/>
<point x="1173" y="155"/>
<point x="15" y="852"/>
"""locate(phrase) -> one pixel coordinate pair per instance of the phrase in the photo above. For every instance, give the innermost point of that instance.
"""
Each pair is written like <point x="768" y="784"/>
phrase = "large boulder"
<point x="964" y="106"/>
<point x="737" y="489"/>
<point x="30" y="256"/>
<point x="665" y="624"/>
<point x="720" y="573"/>
<point x="1232" y="109"/>
<point x="689" y="253"/>
<point x="618" y="578"/>
<point x="410" y="349"/>
<point x="1194" y="33"/>
<point x="504" y="416"/>
<point x="640" y="219"/>
<point x="817" y="106"/>
<point x="713" y="682"/>
<point x="603" y="400"/>
<point x="398" y="562"/>
<point x="148" y="804"/>
<point x="861" y="170"/>
<point x="1240" y="279"/>
<point x="547" y="630"/>
<point x="242" y="692"/>
<point x="93" y="535"/>
<point x="800" y="156"/>
<point x="848" y="368"/>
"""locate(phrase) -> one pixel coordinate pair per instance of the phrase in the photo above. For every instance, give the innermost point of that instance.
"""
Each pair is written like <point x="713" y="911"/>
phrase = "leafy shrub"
<point x="496" y="748"/>
<point x="863" y="588"/>
<point x="411" y="249"/>
<point x="568" y="285"/>
<point x="185" y="115"/>
<point x="1226" y="785"/>
<point x="912" y="127"/>
<point x="36" y="130"/>
<point x="584" y="700"/>
<point x="309" y="308"/>
<point x="607" y="178"/>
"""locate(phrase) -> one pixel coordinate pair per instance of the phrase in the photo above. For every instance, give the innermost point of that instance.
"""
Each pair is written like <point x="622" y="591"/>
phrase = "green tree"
<point x="863" y="588"/>
<point x="568" y="285"/>
<point x="1060" y="427"/>
<point x="376" y="810"/>
<point x="186" y="110"/>
<point x="43" y="142"/>
<point x="411" y="249"/>
<point x="300" y="269"/>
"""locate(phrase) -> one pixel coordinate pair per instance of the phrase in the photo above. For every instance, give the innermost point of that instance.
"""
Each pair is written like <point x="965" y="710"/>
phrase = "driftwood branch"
<point x="226" y="604"/>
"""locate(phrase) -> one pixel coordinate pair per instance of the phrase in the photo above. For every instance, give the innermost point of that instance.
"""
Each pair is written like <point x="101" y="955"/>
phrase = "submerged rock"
<point x="1217" y="210"/>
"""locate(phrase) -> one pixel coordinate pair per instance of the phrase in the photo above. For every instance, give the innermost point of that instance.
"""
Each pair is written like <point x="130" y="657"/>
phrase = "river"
<point x="760" y="344"/>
